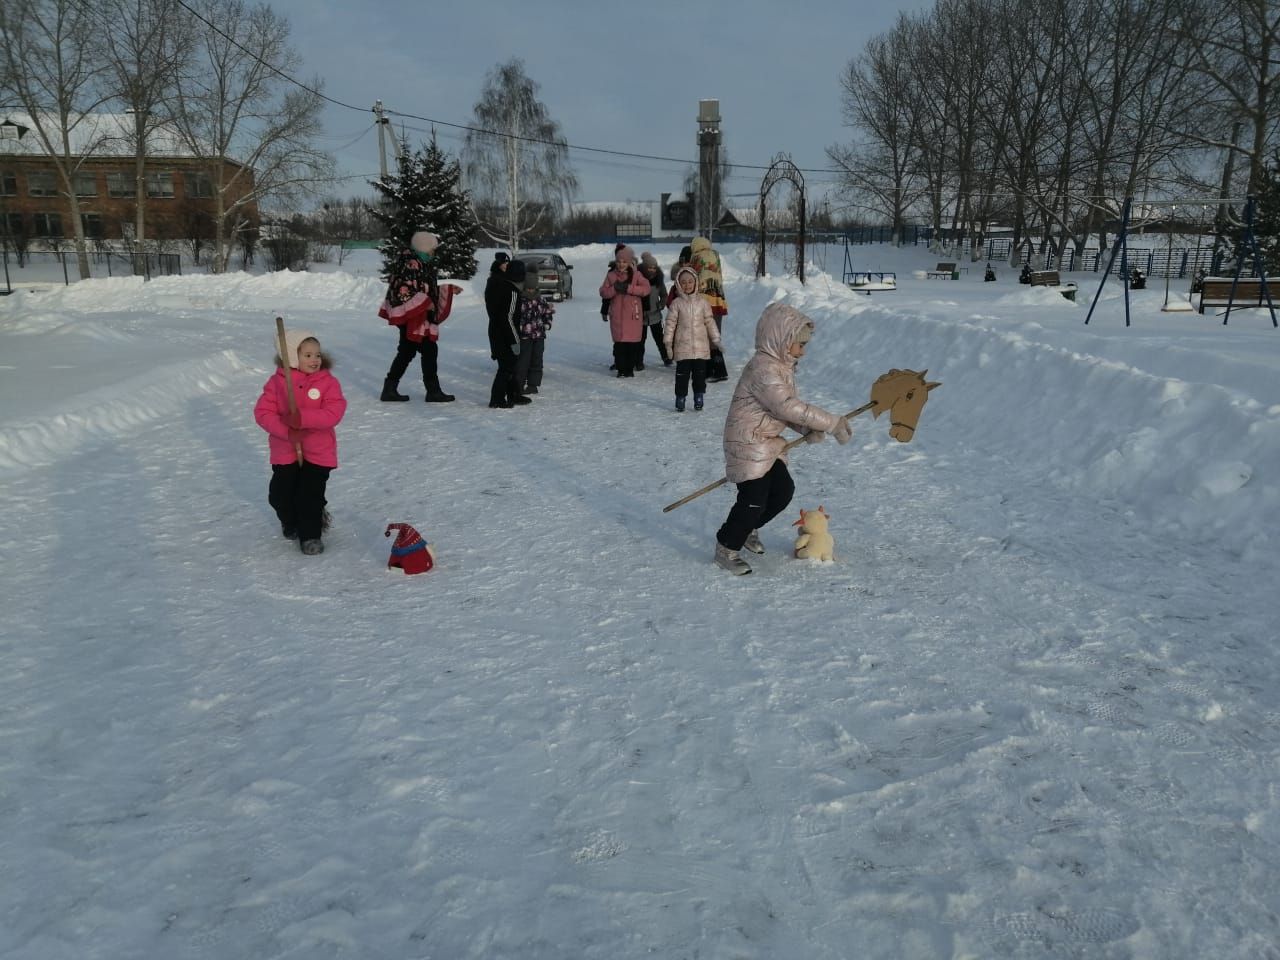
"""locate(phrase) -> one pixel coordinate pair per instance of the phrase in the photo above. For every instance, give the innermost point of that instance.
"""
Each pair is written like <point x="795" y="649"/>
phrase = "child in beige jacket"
<point x="689" y="335"/>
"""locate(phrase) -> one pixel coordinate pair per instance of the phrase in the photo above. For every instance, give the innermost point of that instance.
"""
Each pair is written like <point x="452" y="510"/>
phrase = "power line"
<point x="462" y="126"/>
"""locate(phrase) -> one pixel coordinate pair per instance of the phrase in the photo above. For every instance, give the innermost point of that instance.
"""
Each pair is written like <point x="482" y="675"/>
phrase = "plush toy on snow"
<point x="814" y="542"/>
<point x="410" y="552"/>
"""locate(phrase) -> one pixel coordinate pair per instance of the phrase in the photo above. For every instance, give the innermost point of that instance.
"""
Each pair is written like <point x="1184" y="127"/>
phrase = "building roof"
<point x="781" y="218"/>
<point x="640" y="209"/>
<point x="95" y="134"/>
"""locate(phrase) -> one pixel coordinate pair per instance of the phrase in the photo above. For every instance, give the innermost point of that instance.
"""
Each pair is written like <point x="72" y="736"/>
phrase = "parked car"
<point x="554" y="278"/>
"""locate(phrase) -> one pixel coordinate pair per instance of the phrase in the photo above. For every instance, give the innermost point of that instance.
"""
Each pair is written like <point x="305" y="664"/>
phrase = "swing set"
<point x="1234" y="296"/>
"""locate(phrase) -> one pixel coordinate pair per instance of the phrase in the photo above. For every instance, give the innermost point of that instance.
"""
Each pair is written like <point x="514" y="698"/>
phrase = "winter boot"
<point x="697" y="401"/>
<point x="727" y="559"/>
<point x="288" y="532"/>
<point x="434" y="393"/>
<point x="753" y="542"/>
<point x="390" y="393"/>
<point x="313" y="548"/>
<point x="679" y="404"/>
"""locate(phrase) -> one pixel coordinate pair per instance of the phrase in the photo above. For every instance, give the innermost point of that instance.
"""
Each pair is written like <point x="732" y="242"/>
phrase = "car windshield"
<point x="537" y="263"/>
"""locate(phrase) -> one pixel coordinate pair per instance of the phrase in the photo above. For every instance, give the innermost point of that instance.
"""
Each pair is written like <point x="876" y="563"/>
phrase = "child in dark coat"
<point x="535" y="316"/>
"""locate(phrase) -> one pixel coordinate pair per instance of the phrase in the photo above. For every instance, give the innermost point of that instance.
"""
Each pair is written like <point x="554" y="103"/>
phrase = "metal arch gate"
<point x="781" y="169"/>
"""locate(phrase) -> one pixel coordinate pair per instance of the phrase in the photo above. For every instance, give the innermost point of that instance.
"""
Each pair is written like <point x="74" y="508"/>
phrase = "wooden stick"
<point x="283" y="347"/>
<point x="723" y="480"/>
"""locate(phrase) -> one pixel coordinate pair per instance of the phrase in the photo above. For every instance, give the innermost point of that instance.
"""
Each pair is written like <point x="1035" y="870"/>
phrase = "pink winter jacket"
<point x="321" y="403"/>
<point x="626" y="310"/>
<point x="689" y="330"/>
<point x="765" y="401"/>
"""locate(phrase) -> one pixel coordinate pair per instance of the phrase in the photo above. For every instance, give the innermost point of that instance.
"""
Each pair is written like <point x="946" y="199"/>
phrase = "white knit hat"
<point x="424" y="242"/>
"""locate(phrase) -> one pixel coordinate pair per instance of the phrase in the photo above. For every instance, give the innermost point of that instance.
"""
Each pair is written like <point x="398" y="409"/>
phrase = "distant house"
<point x="742" y="223"/>
<point x="180" y="187"/>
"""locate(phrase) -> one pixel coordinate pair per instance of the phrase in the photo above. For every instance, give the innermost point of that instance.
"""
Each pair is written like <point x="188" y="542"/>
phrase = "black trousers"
<point x="691" y="368"/>
<point x="716" y="369"/>
<point x="626" y="356"/>
<point x="759" y="501"/>
<point x="296" y="494"/>
<point x="529" y="363"/>
<point x="504" y="381"/>
<point x="405" y="351"/>
<point x="653" y="330"/>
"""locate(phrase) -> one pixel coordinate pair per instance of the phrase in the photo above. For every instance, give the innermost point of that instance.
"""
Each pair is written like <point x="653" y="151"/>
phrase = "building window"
<point x="199" y="185"/>
<point x="86" y="185"/>
<point x="47" y="225"/>
<point x="42" y="184"/>
<point x="8" y="183"/>
<point x="159" y="184"/>
<point x="92" y="226"/>
<point x="11" y="224"/>
<point x="119" y="185"/>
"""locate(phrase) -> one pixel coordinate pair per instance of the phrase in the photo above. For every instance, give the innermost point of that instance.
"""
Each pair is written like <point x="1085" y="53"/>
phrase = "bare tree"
<point x="1236" y="44"/>
<point x="53" y="70"/>
<point x="517" y="161"/>
<point x="879" y="174"/>
<point x="147" y="46"/>
<point x="235" y="112"/>
<point x="721" y="172"/>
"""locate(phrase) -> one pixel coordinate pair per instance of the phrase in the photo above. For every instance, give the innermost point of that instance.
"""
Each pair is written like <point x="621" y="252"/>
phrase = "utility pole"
<point x="708" y="165"/>
<point x="384" y="130"/>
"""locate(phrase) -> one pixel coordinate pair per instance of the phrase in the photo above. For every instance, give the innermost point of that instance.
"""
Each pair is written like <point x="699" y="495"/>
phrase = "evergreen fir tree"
<point x="1266" y="225"/>
<point x="427" y="194"/>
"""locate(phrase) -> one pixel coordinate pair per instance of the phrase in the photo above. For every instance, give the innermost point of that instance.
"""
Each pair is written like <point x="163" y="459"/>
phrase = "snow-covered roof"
<point x="97" y="134"/>
<point x="640" y="209"/>
<point x="781" y="218"/>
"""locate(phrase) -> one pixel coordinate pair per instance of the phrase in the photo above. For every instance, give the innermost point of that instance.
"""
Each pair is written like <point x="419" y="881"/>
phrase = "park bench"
<point x="1051" y="278"/>
<point x="943" y="271"/>
<point x="1216" y="292"/>
<point x="867" y="281"/>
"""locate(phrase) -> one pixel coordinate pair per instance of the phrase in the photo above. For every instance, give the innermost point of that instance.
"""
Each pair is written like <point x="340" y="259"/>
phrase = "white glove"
<point x="842" y="432"/>
<point x="814" y="436"/>
<point x="515" y="348"/>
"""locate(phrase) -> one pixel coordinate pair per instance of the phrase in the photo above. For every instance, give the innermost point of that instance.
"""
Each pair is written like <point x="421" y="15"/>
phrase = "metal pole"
<point x="1124" y="228"/>
<point x="1168" y="267"/>
<point x="383" y="127"/>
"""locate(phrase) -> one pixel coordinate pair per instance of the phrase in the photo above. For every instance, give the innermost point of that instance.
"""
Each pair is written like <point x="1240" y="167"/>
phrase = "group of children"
<point x="632" y="301"/>
<point x="303" y="446"/>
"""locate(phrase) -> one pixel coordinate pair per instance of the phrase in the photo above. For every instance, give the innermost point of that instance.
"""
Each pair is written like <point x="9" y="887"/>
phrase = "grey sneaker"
<point x="729" y="560"/>
<point x="312" y="547"/>
<point x="753" y="542"/>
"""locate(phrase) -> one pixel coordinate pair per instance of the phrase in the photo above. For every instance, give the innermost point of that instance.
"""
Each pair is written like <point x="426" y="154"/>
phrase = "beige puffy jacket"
<point x="765" y="401"/>
<point x="689" y="330"/>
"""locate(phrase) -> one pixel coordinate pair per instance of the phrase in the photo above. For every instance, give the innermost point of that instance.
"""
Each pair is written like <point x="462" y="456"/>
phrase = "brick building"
<point x="180" y="188"/>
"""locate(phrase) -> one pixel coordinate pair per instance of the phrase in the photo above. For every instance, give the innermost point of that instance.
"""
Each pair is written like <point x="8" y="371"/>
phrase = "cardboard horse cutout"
<point x="903" y="393"/>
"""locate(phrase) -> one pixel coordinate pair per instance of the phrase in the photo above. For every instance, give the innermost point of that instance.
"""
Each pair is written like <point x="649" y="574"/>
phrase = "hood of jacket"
<point x="777" y="328"/>
<point x="681" y="272"/>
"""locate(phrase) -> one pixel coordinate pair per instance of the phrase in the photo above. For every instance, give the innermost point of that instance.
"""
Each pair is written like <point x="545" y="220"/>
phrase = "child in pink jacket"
<point x="296" y="492"/>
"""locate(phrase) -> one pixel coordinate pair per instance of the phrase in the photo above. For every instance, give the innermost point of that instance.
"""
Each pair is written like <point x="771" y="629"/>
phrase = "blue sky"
<point x="619" y="77"/>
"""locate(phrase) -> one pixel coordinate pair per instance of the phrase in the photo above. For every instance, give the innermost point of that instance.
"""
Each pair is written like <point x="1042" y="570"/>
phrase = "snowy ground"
<point x="1033" y="710"/>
